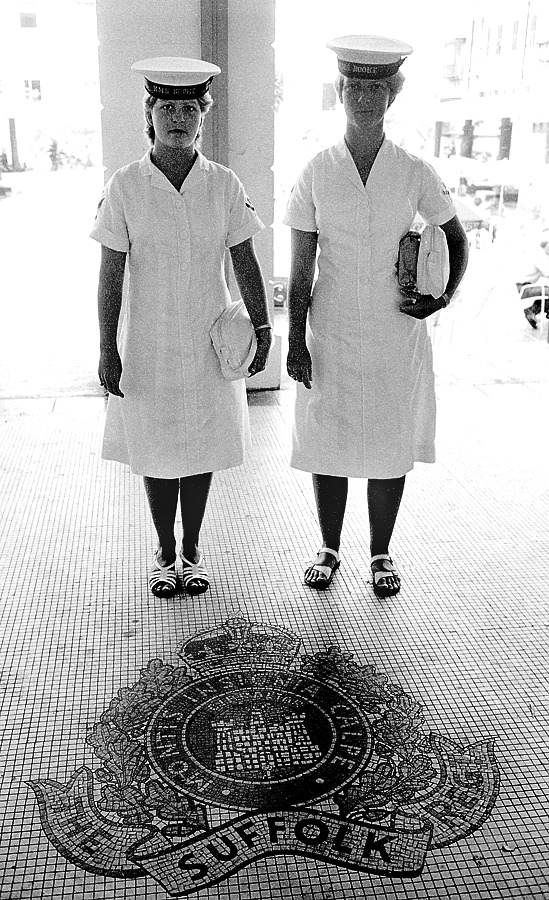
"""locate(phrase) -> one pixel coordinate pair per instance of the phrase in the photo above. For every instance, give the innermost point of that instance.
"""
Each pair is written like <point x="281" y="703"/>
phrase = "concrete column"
<point x="251" y="85"/>
<point x="467" y="138"/>
<point x="215" y="48"/>
<point x="505" y="132"/>
<point x="129" y="30"/>
<point x="438" y="137"/>
<point x="15" y="163"/>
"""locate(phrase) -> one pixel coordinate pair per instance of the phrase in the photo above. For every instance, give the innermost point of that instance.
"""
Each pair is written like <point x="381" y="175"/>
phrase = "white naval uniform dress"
<point x="371" y="410"/>
<point x="179" y="416"/>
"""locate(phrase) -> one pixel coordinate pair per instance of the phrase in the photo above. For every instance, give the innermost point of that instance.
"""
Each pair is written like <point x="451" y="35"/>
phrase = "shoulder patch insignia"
<point x="99" y="205"/>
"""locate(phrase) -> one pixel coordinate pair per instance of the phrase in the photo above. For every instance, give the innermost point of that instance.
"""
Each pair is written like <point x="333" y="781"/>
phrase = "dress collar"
<point x="343" y="155"/>
<point x="158" y="180"/>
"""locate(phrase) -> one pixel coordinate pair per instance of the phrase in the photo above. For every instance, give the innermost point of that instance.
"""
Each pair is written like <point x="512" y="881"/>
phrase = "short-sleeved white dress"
<point x="179" y="416"/>
<point x="371" y="410"/>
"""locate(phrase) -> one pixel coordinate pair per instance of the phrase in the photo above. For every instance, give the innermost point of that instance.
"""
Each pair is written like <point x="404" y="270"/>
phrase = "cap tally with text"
<point x="369" y="55"/>
<point x="176" y="77"/>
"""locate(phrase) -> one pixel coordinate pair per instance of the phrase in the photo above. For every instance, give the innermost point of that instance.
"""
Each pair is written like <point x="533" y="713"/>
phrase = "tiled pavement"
<point x="447" y="779"/>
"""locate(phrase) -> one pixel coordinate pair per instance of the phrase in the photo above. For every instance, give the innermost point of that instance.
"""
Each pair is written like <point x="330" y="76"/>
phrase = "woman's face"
<point x="176" y="122"/>
<point x="365" y="102"/>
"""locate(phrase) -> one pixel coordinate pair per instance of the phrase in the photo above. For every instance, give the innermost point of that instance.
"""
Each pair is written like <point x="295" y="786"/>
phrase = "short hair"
<point x="395" y="83"/>
<point x="205" y="103"/>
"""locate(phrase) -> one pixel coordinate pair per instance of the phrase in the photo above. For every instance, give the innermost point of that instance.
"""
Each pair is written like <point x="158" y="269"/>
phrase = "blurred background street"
<point x="48" y="280"/>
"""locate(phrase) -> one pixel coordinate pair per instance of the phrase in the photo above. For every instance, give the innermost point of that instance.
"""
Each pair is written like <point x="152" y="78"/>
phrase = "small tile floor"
<point x="463" y="649"/>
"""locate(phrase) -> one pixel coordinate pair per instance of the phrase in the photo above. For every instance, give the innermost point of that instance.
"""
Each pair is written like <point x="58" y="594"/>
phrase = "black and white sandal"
<point x="327" y="572"/>
<point x="383" y="574"/>
<point x="162" y="579"/>
<point x="195" y="576"/>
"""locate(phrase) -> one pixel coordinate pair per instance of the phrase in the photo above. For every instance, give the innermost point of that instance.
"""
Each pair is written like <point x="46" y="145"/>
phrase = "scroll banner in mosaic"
<point x="246" y="724"/>
<point x="310" y="833"/>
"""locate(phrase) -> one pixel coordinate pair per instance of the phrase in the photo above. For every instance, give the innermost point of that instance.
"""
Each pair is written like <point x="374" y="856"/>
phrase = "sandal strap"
<point x="329" y="550"/>
<point x="194" y="571"/>
<point x="325" y="571"/>
<point x="383" y="574"/>
<point x="162" y="574"/>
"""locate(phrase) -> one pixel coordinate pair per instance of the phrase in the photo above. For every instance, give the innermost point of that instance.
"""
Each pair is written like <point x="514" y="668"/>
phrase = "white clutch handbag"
<point x="423" y="261"/>
<point x="234" y="340"/>
<point x="433" y="262"/>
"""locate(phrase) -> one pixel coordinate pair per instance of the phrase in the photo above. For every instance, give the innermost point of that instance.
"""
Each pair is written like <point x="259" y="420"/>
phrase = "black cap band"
<point x="361" y="70"/>
<point x="177" y="91"/>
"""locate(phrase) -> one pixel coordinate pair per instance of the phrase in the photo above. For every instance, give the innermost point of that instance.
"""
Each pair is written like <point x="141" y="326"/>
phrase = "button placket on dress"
<point x="184" y="262"/>
<point x="364" y="288"/>
<point x="179" y="416"/>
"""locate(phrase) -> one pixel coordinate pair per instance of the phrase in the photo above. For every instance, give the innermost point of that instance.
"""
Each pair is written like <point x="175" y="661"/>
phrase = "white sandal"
<point x="379" y="575"/>
<point x="162" y="579"/>
<point x="195" y="576"/>
<point x="327" y="572"/>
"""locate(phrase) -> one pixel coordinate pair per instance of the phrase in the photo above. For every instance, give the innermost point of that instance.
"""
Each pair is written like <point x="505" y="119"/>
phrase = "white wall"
<point x="251" y="132"/>
<point x="251" y="115"/>
<point x="129" y="30"/>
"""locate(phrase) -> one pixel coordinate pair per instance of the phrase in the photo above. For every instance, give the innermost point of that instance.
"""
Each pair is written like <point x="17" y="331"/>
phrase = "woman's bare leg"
<point x="331" y="501"/>
<point x="162" y="494"/>
<point x="384" y="496"/>
<point x="194" y="492"/>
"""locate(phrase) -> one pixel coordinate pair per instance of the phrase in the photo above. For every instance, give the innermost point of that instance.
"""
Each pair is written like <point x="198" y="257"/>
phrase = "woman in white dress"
<point x="164" y="223"/>
<point x="359" y="350"/>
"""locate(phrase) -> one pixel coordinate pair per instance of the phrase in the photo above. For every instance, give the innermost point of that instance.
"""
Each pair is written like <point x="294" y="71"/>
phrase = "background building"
<point x="493" y="96"/>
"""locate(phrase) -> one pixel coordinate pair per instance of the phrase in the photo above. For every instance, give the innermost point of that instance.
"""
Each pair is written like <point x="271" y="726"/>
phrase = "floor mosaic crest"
<point x="252" y="748"/>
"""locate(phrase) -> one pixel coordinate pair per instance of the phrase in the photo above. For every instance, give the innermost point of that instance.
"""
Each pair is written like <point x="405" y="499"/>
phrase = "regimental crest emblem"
<point x="250" y="748"/>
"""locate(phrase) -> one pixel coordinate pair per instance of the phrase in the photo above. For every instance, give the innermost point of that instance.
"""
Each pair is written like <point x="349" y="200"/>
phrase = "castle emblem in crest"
<point x="250" y="748"/>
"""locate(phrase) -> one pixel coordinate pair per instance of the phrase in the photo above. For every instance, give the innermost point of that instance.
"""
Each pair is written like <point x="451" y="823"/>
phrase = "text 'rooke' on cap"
<point x="176" y="77"/>
<point x="369" y="55"/>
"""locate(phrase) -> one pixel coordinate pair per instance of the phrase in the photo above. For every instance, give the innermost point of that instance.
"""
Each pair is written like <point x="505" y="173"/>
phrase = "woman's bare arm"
<point x="302" y="272"/>
<point x="109" y="302"/>
<point x="252" y="289"/>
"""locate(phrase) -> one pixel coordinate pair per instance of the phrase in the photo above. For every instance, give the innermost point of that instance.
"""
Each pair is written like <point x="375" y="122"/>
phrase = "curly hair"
<point x="395" y="83"/>
<point x="205" y="104"/>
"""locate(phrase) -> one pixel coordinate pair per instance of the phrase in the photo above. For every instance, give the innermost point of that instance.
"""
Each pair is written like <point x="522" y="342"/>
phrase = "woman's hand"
<point x="419" y="306"/>
<point x="110" y="371"/>
<point x="264" y="342"/>
<point x="252" y="289"/>
<point x="299" y="364"/>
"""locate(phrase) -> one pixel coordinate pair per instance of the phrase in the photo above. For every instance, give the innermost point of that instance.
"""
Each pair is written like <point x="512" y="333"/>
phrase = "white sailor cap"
<point x="176" y="76"/>
<point x="234" y="340"/>
<point x="369" y="55"/>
